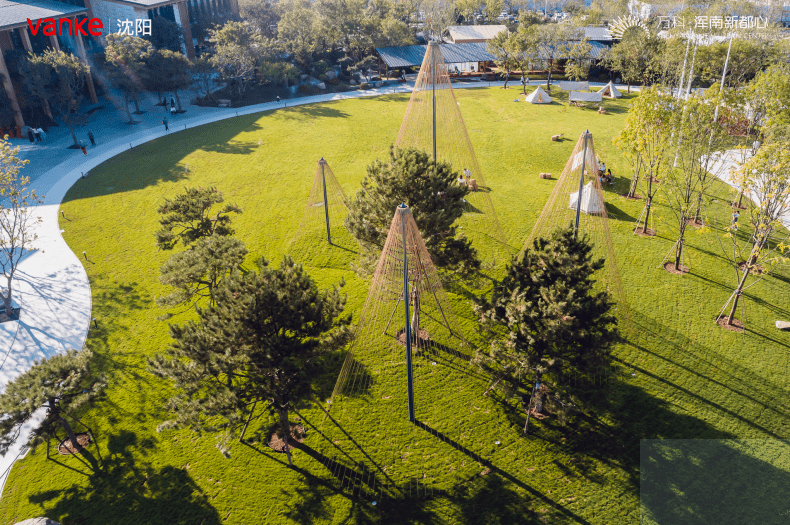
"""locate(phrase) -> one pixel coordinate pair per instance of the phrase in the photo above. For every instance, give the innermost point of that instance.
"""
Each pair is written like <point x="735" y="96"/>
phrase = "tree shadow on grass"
<point x="315" y="110"/>
<point x="714" y="481"/>
<point x="754" y="394"/>
<point x="126" y="491"/>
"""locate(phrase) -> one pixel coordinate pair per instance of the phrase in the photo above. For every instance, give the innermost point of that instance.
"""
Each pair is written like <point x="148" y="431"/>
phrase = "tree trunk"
<point x="7" y="297"/>
<point x="507" y="78"/>
<point x="136" y="105"/>
<point x="679" y="248"/>
<point x="649" y="200"/>
<point x="548" y="81"/>
<point x="529" y="405"/>
<point x="178" y="101"/>
<point x="738" y="292"/>
<point x="285" y="428"/>
<point x="128" y="113"/>
<point x="73" y="135"/>
<point x="629" y="88"/>
<point x="699" y="207"/>
<point x="47" y="109"/>
<point x="69" y="431"/>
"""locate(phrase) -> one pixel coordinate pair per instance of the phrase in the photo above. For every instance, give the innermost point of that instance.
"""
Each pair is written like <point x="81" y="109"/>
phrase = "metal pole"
<point x="723" y="74"/>
<point x="691" y="70"/>
<point x="433" y="88"/>
<point x="326" y="203"/>
<point x="581" y="188"/>
<point x="683" y="74"/>
<point x="403" y="209"/>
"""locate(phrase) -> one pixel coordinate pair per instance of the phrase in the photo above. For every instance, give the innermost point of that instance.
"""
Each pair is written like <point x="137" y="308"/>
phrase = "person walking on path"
<point x="83" y="148"/>
<point x="92" y="139"/>
<point x="30" y="135"/>
<point x="164" y="121"/>
<point x="37" y="133"/>
<point x="42" y="134"/>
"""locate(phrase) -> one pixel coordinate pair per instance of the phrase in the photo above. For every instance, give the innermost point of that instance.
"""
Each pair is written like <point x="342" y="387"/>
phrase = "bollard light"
<point x="85" y="255"/>
<point x="62" y="214"/>
<point x="95" y="323"/>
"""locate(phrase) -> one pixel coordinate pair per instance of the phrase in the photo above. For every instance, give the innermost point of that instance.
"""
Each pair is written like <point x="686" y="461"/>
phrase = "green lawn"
<point x="679" y="377"/>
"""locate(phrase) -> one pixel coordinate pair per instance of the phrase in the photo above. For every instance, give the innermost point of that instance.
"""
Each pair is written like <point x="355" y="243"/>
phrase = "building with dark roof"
<point x="15" y="34"/>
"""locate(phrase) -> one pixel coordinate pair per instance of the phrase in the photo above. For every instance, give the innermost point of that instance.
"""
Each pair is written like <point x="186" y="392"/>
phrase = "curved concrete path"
<point x="51" y="285"/>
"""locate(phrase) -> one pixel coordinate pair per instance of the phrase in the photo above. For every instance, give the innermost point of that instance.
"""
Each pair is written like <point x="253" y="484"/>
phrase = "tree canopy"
<point x="62" y="383"/>
<point x="549" y="321"/>
<point x="263" y="341"/>
<point x="434" y="196"/>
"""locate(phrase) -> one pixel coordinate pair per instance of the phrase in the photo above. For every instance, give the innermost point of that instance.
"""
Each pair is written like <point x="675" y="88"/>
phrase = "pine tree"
<point x="211" y="255"/>
<point x="197" y="272"/>
<point x="187" y="217"/>
<point x="263" y="341"/>
<point x="550" y="322"/>
<point x="62" y="384"/>
<point x="434" y="196"/>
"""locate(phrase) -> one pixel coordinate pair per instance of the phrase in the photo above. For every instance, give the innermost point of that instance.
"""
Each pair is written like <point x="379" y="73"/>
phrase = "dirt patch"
<point x="756" y="269"/>
<point x="734" y="204"/>
<point x="736" y="326"/>
<point x="634" y="197"/>
<point x="66" y="447"/>
<point x="421" y="334"/>
<point x="697" y="223"/>
<point x="670" y="267"/>
<point x="277" y="443"/>
<point x="642" y="232"/>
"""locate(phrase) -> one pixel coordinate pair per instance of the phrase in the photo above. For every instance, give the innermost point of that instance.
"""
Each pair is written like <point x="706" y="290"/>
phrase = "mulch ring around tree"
<point x="642" y="232"/>
<point x="10" y="315"/>
<point x="697" y="223"/>
<point x="277" y="443"/>
<point x="634" y="197"/>
<point x="735" y="205"/>
<point x="680" y="270"/>
<point x="66" y="447"/>
<point x="756" y="268"/>
<point x="736" y="326"/>
<point x="421" y="334"/>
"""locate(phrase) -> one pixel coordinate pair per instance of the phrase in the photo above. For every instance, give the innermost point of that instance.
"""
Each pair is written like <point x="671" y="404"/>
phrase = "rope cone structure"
<point x="433" y="123"/>
<point x="407" y="381"/>
<point x="322" y="240"/>
<point x="574" y="197"/>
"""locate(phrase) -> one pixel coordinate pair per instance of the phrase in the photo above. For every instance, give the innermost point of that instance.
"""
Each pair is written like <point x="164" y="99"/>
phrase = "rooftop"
<point x="474" y="32"/>
<point x="14" y="13"/>
<point x="407" y="56"/>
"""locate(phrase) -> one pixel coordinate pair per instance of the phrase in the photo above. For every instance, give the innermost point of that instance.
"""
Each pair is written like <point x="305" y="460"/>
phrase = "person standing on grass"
<point x="37" y="133"/>
<point x="164" y="121"/>
<point x="30" y="135"/>
<point x="83" y="148"/>
<point x="90" y="136"/>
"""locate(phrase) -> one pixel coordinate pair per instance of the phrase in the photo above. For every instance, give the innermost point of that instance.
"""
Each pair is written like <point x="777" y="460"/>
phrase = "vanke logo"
<point x="52" y="26"/>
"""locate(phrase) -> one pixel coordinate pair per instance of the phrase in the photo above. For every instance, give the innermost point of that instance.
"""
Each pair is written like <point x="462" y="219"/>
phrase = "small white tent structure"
<point x="538" y="97"/>
<point x="567" y="85"/>
<point x="591" y="202"/>
<point x="610" y="91"/>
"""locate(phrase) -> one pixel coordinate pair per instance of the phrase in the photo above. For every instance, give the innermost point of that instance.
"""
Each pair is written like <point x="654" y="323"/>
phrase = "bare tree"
<point x="17" y="221"/>
<point x="764" y="179"/>
<point x="699" y="138"/>
<point x="644" y="142"/>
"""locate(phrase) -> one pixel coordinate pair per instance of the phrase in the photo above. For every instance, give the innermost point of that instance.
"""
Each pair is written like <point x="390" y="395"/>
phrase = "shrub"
<point x="364" y="85"/>
<point x="332" y="81"/>
<point x="323" y="78"/>
<point x="307" y="89"/>
<point x="343" y="77"/>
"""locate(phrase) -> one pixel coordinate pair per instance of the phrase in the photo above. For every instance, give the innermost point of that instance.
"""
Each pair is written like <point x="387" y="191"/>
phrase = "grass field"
<point x="680" y="376"/>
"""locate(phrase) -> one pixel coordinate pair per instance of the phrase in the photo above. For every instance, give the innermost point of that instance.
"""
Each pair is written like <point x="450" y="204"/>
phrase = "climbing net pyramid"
<point x="433" y="96"/>
<point x="406" y="382"/>
<point x="560" y="212"/>
<point x="315" y="244"/>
